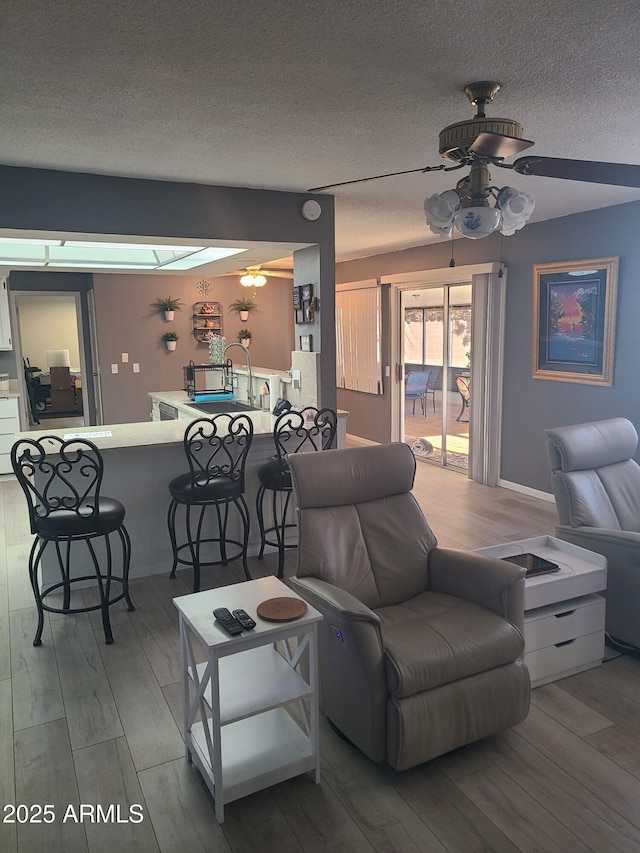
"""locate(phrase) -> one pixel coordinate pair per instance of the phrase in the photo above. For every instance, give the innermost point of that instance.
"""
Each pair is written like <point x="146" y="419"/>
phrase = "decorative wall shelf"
<point x="207" y="321"/>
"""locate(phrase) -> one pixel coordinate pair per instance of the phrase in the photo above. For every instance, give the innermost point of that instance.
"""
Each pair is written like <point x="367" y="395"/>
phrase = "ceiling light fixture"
<point x="469" y="207"/>
<point x="253" y="278"/>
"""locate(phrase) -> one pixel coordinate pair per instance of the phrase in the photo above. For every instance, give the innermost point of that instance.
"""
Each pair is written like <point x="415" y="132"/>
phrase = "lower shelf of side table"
<point x="272" y="683"/>
<point x="257" y="752"/>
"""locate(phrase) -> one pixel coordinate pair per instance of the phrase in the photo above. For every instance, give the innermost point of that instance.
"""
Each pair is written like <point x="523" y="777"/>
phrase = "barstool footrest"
<point x="113" y="600"/>
<point x="228" y="559"/>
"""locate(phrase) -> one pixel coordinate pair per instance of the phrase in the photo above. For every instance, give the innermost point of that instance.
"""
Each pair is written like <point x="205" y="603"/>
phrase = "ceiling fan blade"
<point x="376" y="177"/>
<point x="498" y="146"/>
<point x="589" y="171"/>
<point x="277" y="273"/>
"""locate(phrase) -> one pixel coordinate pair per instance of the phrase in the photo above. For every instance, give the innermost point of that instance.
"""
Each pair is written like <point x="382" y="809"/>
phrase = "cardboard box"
<point x="60" y="378"/>
<point x="63" y="400"/>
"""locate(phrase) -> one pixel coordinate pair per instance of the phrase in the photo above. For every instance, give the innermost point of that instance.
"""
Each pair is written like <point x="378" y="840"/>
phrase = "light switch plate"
<point x="125" y="357"/>
<point x="136" y="367"/>
<point x="114" y="368"/>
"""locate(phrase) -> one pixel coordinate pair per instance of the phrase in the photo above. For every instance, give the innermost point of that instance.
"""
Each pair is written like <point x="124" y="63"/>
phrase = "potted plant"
<point x="243" y="307"/>
<point x="170" y="339"/>
<point x="244" y="336"/>
<point x="168" y="306"/>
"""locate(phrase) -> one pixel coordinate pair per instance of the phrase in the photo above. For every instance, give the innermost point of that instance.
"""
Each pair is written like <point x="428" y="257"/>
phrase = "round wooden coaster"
<point x="283" y="609"/>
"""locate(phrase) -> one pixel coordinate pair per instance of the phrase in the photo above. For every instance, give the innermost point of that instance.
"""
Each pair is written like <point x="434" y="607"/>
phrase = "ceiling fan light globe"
<point x="510" y="226"/>
<point x="442" y="230"/>
<point x="253" y="280"/>
<point x="477" y="222"/>
<point x="516" y="208"/>
<point x="441" y="206"/>
<point x="515" y="203"/>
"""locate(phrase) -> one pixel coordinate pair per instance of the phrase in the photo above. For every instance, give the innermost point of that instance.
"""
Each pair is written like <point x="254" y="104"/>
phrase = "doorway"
<point x="49" y="345"/>
<point x="436" y="340"/>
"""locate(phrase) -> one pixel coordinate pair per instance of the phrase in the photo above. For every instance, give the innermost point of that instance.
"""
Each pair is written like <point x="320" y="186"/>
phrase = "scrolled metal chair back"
<point x="218" y="447"/>
<point x="57" y="475"/>
<point x="307" y="430"/>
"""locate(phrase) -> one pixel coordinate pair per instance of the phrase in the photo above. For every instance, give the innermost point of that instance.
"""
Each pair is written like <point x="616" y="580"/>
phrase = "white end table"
<point x="238" y="731"/>
<point x="564" y="618"/>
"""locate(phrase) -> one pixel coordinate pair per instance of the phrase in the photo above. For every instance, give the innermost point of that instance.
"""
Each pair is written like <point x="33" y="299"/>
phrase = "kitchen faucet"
<point x="250" y="384"/>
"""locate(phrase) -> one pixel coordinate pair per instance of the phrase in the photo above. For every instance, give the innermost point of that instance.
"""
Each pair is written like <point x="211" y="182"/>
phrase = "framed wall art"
<point x="574" y="314"/>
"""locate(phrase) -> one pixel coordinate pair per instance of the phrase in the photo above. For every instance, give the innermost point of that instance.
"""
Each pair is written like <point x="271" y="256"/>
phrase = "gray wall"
<point x="530" y="405"/>
<point x="46" y="200"/>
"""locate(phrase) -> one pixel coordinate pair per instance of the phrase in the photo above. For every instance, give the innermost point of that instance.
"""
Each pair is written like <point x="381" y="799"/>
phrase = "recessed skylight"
<point x="106" y="255"/>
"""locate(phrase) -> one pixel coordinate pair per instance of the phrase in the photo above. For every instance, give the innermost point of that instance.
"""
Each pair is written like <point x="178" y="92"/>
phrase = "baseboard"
<point x="356" y="440"/>
<point x="526" y="490"/>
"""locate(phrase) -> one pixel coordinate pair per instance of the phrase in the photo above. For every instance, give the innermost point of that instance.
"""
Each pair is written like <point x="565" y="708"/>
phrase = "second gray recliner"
<point x="596" y="484"/>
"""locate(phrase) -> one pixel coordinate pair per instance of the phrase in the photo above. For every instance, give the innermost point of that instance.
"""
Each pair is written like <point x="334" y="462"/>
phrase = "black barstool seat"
<point x="61" y="481"/>
<point x="204" y="490"/>
<point x="216" y="449"/>
<point x="274" y="476"/>
<point x="83" y="522"/>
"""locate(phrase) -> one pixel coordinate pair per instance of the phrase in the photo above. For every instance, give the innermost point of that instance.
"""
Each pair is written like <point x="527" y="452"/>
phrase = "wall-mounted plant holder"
<point x="168" y="307"/>
<point x="170" y="339"/>
<point x="243" y="307"/>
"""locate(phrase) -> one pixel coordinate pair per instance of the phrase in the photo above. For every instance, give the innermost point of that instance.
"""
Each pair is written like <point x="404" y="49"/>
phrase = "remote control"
<point x="228" y="622"/>
<point x="244" y="619"/>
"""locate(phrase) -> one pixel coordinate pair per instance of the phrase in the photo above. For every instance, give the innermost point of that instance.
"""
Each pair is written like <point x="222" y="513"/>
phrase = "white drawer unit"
<point x="563" y="639"/>
<point x="563" y="618"/>
<point x="9" y="426"/>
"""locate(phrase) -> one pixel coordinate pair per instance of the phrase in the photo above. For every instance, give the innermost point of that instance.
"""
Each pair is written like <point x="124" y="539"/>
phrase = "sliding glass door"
<point x="436" y="334"/>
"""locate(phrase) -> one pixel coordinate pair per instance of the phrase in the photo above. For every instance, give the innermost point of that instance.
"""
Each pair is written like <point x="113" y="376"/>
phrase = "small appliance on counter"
<point x="209" y="382"/>
<point x="4" y="381"/>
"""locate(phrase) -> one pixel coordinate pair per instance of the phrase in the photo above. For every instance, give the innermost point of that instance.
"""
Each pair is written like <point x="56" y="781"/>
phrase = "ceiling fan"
<point x="480" y="142"/>
<point x="256" y="276"/>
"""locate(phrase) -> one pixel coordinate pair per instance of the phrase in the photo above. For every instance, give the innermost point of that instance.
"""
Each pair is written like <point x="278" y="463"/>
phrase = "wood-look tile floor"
<point x="86" y="723"/>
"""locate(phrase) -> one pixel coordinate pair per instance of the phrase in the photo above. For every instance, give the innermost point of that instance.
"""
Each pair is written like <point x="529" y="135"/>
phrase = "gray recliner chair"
<point x="420" y="647"/>
<point x="596" y="484"/>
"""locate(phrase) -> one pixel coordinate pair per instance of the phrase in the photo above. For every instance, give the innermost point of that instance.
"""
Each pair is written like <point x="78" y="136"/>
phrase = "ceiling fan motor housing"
<point x="455" y="139"/>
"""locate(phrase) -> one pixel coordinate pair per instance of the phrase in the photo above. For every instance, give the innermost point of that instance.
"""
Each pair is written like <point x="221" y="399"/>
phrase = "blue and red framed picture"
<point x="574" y="314"/>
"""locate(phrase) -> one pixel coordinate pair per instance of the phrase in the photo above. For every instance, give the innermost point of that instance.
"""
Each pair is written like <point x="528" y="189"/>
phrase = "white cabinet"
<point x="9" y="426"/>
<point x="563" y="618"/>
<point x="238" y="728"/>
<point x="565" y="638"/>
<point x="5" y="325"/>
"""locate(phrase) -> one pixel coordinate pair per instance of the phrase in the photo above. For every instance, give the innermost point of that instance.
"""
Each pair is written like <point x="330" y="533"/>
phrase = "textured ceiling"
<point x="288" y="96"/>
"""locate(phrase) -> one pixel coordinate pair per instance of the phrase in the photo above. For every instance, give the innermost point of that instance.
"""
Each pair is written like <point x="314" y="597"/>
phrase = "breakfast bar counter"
<point x="140" y="459"/>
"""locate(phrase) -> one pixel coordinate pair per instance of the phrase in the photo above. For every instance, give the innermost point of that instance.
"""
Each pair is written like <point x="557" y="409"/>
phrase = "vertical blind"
<point x="358" y="331"/>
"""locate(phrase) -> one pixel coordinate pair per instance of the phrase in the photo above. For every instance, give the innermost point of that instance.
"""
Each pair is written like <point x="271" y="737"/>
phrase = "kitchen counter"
<point x="141" y="458"/>
<point x="263" y="421"/>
